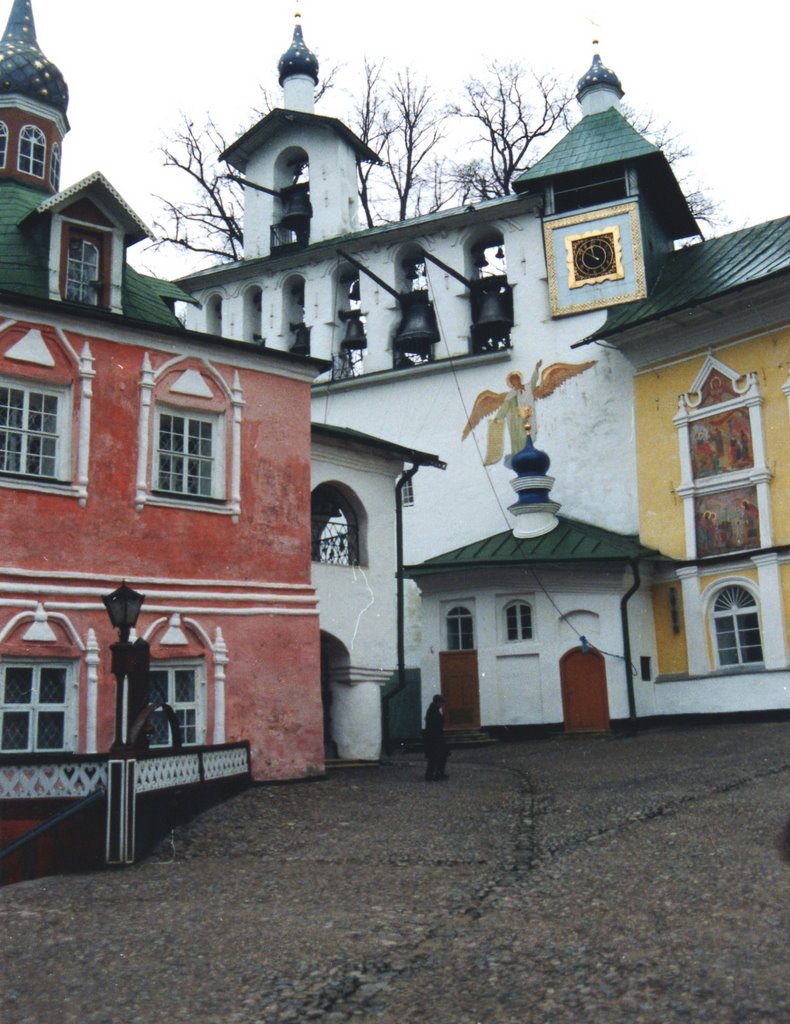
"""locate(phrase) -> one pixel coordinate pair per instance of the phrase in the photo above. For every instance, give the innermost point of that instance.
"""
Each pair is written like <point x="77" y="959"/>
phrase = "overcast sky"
<point x="132" y="67"/>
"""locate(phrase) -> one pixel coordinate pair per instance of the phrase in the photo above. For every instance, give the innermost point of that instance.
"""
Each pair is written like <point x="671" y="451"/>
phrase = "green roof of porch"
<point x="571" y="541"/>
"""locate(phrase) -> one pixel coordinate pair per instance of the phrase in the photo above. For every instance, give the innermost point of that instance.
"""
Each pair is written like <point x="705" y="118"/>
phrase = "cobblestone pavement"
<point x="566" y="880"/>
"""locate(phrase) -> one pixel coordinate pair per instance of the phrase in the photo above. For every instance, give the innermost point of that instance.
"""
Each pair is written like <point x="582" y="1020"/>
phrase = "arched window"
<point x="736" y="622"/>
<point x="518" y="621"/>
<point x="334" y="529"/>
<point x="214" y="315"/>
<point x="295" y="331"/>
<point x="491" y="294"/>
<point x="253" y="300"/>
<point x="3" y="143"/>
<point x="460" y="629"/>
<point x="32" y="151"/>
<point x="54" y="167"/>
<point x="82" y="272"/>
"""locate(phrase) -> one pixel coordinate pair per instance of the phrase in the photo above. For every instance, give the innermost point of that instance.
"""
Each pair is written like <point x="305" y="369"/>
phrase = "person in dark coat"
<point x="435" y="745"/>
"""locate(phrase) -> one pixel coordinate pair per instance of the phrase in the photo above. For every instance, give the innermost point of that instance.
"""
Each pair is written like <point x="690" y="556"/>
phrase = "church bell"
<point x="355" y="339"/>
<point x="418" y="330"/>
<point x="301" y="344"/>
<point x="296" y="208"/>
<point x="493" y="314"/>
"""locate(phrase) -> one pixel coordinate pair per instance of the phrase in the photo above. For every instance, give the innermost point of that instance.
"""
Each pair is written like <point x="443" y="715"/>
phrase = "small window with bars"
<point x="32" y="151"/>
<point x="33" y="707"/>
<point x="186" y="463"/>
<point x="82" y="272"/>
<point x="176" y="686"/>
<point x="29" y="437"/>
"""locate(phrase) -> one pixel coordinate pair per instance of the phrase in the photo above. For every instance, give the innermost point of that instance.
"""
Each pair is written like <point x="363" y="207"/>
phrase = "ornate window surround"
<point x="228" y="420"/>
<point x="690" y="411"/>
<point x="33" y="350"/>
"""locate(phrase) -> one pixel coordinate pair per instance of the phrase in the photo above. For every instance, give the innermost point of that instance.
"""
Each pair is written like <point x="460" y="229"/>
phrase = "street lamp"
<point x="123" y="606"/>
<point x="130" y="664"/>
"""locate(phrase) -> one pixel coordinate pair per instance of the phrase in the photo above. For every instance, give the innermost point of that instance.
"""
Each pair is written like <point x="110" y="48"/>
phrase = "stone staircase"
<point x="457" y="738"/>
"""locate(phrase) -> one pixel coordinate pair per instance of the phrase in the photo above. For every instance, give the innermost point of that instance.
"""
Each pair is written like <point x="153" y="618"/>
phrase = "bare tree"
<point x="415" y="127"/>
<point x="209" y="224"/>
<point x="372" y="121"/>
<point x="703" y="206"/>
<point x="515" y="114"/>
<point x="514" y="110"/>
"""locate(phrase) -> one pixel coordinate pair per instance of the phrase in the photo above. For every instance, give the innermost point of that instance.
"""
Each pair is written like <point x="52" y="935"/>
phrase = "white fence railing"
<point x="74" y="777"/>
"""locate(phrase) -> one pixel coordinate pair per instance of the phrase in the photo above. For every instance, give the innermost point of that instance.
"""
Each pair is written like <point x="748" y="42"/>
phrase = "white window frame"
<point x="226" y="499"/>
<point x="198" y="705"/>
<point x="217" y="457"/>
<point x="36" y="707"/>
<point x="3" y="143"/>
<point x="734" y="614"/>
<point x="515" y="605"/>
<point x="62" y="434"/>
<point x="32" y="151"/>
<point x="452" y="611"/>
<point x="83" y="275"/>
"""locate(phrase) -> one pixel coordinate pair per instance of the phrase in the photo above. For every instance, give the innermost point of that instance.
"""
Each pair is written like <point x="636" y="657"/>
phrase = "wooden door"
<point x="460" y="689"/>
<point x="585" y="701"/>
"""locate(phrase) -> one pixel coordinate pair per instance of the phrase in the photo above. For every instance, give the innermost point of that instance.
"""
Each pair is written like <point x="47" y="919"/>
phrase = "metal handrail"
<point x="52" y="822"/>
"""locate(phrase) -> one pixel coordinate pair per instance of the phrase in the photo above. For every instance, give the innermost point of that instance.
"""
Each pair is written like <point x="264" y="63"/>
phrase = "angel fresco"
<point x="514" y="409"/>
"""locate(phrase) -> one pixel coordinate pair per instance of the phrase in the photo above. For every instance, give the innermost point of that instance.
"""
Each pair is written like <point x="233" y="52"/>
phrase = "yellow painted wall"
<point x="658" y="459"/>
<point x="671" y="646"/>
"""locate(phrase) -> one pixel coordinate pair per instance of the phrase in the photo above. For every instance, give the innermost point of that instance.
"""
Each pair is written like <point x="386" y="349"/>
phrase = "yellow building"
<point x="711" y="354"/>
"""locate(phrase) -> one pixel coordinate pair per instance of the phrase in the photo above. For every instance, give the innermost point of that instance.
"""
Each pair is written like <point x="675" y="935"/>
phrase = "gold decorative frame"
<point x="599" y="218"/>
<point x="574" y="246"/>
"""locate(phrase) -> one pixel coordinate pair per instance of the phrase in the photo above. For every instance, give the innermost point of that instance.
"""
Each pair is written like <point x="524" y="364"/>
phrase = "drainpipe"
<point x="629" y="675"/>
<point x="401" y="685"/>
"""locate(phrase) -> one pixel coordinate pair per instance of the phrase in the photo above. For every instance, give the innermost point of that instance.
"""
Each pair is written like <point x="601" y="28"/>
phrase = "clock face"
<point x="594" y="256"/>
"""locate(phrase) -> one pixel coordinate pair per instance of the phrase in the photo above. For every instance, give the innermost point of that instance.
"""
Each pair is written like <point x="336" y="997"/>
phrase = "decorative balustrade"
<point x="71" y="776"/>
<point x="51" y="781"/>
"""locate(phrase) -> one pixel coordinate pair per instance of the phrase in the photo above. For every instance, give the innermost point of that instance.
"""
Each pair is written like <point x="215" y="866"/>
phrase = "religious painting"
<point x="716" y="388"/>
<point x="726" y="522"/>
<point x="721" y="444"/>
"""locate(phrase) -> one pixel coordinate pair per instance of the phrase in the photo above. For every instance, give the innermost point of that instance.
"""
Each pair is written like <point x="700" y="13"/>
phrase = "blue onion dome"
<point x="598" y="74"/>
<point x="530" y="461"/>
<point x="298" y="59"/>
<point x="23" y="67"/>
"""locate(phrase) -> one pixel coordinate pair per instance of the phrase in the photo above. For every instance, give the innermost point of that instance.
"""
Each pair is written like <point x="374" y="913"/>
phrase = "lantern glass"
<point x="123" y="606"/>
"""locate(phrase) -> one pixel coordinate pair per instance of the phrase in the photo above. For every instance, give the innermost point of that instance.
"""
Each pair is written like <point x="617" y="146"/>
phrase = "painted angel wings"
<point x="554" y="376"/>
<point x="486" y="403"/>
<point x="508" y="408"/>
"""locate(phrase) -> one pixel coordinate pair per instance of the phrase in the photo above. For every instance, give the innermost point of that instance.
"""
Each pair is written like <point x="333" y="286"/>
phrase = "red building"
<point x="133" y="449"/>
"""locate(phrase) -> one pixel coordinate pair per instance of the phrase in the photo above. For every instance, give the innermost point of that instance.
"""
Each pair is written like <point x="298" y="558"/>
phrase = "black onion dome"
<point x="298" y="59"/>
<point x="23" y="67"/>
<point x="598" y="74"/>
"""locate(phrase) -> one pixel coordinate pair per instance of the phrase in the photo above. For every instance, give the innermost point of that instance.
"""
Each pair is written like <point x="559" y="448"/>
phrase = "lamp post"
<point x="130" y="664"/>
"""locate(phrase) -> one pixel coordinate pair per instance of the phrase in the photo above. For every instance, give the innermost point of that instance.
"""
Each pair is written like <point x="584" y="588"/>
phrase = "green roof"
<point x="607" y="139"/>
<point x="597" y="140"/>
<point x="702" y="272"/>
<point x="24" y="261"/>
<point x="24" y="253"/>
<point x="571" y="541"/>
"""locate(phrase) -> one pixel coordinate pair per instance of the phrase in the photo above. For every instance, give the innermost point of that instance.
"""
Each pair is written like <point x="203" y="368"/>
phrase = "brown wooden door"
<point x="460" y="689"/>
<point x="585" y="702"/>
